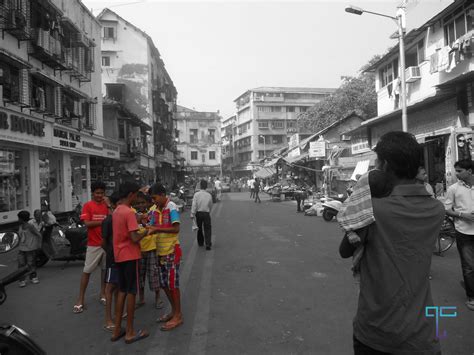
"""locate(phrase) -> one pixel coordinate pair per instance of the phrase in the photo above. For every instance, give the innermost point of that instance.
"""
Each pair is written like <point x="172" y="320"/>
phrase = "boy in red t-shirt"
<point x="93" y="213"/>
<point x="127" y="255"/>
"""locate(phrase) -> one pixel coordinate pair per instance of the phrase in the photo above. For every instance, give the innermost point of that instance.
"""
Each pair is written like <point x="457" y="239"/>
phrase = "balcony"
<point x="47" y="49"/>
<point x="13" y="20"/>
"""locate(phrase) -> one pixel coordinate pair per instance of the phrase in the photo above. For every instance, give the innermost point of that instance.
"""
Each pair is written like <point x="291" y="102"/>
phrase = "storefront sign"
<point x="20" y="128"/>
<point x="66" y="139"/>
<point x="111" y="150"/>
<point x="317" y="149"/>
<point x="92" y="145"/>
<point x="360" y="147"/>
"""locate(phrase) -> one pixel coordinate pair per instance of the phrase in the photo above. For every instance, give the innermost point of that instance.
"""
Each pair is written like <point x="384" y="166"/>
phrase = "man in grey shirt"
<point x="201" y="210"/>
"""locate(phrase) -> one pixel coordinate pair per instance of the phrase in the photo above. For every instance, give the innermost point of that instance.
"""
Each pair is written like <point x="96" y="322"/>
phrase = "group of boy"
<point x="131" y="234"/>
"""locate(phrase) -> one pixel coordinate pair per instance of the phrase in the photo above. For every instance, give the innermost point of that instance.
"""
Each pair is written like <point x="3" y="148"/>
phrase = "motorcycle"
<point x="331" y="207"/>
<point x="14" y="340"/>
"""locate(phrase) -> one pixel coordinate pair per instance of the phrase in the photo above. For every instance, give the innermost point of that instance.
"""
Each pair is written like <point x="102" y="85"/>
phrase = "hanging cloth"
<point x="434" y="62"/>
<point x="443" y="60"/>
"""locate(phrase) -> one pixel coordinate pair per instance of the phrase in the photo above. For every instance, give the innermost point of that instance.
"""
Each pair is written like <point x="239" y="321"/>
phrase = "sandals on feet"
<point x="78" y="308"/>
<point x="121" y="335"/>
<point x="109" y="328"/>
<point x="165" y="318"/>
<point x="170" y="326"/>
<point x="160" y="304"/>
<point x="103" y="300"/>
<point x="141" y="334"/>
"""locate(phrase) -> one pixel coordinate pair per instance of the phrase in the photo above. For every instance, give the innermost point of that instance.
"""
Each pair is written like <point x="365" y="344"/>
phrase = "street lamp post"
<point x="400" y="20"/>
<point x="264" y="150"/>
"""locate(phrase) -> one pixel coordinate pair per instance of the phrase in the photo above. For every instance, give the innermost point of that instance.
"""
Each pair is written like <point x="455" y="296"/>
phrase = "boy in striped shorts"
<point x="165" y="223"/>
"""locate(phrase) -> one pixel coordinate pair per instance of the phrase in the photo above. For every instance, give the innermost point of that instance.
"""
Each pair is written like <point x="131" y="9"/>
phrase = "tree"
<point x="356" y="94"/>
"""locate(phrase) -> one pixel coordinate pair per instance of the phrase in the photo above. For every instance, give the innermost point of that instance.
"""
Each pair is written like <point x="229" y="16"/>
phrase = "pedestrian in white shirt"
<point x="201" y="210"/>
<point x="251" y="184"/>
<point x="218" y="186"/>
<point x="459" y="204"/>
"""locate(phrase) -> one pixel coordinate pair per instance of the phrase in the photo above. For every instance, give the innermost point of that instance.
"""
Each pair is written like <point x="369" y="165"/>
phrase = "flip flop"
<point x="108" y="328"/>
<point x="103" y="300"/>
<point x="121" y="335"/>
<point x="172" y="326"/>
<point x="141" y="334"/>
<point x="160" y="304"/>
<point x="165" y="318"/>
<point x="78" y="308"/>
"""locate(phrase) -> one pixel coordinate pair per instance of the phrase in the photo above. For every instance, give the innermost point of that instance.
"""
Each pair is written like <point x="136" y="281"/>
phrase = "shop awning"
<point x="291" y="160"/>
<point x="272" y="162"/>
<point x="264" y="173"/>
<point x="361" y="168"/>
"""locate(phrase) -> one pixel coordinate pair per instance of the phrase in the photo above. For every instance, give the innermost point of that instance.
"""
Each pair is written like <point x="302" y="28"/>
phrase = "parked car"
<point x="225" y="187"/>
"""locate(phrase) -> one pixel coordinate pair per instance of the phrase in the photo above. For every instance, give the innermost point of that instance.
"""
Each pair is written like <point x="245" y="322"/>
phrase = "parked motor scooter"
<point x="63" y="243"/>
<point x="331" y="207"/>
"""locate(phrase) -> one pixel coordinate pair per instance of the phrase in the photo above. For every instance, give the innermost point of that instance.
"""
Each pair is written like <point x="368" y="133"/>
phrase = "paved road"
<point x="273" y="283"/>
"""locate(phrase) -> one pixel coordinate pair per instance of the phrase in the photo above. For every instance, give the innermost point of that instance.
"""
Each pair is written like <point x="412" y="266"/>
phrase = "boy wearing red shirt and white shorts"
<point x="93" y="213"/>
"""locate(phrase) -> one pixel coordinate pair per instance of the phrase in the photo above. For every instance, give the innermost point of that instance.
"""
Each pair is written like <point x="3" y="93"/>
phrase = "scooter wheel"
<point x="41" y="258"/>
<point x="327" y="216"/>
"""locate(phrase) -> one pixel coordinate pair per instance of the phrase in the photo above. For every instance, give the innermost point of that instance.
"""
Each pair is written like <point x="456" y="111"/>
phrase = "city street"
<point x="272" y="284"/>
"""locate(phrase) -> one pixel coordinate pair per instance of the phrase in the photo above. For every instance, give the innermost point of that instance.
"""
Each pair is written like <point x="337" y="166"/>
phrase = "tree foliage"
<point x="356" y="94"/>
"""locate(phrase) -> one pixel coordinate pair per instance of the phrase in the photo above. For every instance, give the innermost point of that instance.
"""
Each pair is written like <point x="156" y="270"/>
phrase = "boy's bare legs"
<point x="118" y="314"/>
<point x="141" y="296"/>
<point x="110" y="291"/>
<point x="175" y="318"/>
<point x="102" y="283"/>
<point x="82" y="288"/>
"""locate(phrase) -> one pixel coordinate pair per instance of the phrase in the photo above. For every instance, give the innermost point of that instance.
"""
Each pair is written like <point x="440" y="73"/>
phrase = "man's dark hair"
<point x="97" y="185"/>
<point x="115" y="197"/>
<point x="203" y="184"/>
<point x="23" y="216"/>
<point x="402" y="153"/>
<point x="463" y="164"/>
<point x="141" y="195"/>
<point x="128" y="187"/>
<point x="157" y="189"/>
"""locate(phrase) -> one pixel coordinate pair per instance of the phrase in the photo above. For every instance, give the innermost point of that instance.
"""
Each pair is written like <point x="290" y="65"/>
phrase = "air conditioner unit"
<point x="412" y="74"/>
<point x="345" y="137"/>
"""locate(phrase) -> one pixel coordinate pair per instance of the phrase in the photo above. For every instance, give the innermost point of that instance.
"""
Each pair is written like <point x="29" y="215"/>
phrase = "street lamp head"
<point x="354" y="10"/>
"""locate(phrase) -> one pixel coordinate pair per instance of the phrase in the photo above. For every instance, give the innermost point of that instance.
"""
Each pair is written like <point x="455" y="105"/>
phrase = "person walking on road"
<point x="251" y="184"/>
<point x="256" y="189"/>
<point x="218" y="186"/>
<point x="127" y="254"/>
<point x="93" y="213"/>
<point x="394" y="285"/>
<point x="459" y="204"/>
<point x="201" y="210"/>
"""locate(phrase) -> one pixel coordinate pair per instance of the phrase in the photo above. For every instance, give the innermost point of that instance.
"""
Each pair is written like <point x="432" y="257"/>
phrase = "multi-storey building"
<point x="227" y="151"/>
<point x="51" y="128"/>
<point x="199" y="141"/>
<point x="134" y="76"/>
<point x="266" y="118"/>
<point x="440" y="91"/>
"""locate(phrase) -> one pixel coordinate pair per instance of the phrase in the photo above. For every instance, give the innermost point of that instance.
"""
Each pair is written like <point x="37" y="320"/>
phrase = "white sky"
<point x="216" y="50"/>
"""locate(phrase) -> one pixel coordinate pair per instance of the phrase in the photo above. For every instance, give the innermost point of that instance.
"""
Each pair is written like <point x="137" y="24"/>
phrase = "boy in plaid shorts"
<point x="165" y="223"/>
<point x="149" y="262"/>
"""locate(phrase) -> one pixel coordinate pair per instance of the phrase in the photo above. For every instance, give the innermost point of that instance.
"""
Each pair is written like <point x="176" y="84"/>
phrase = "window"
<point x="194" y="155"/>
<point x="275" y="108"/>
<point x="457" y="24"/>
<point x="263" y="125"/>
<point x="291" y="124"/>
<point x="290" y="109"/>
<point x="176" y="133"/>
<point x="278" y="124"/>
<point x="277" y="139"/>
<point x="10" y="82"/>
<point x="212" y="155"/>
<point x="12" y="191"/>
<point x="121" y="130"/>
<point x="264" y="109"/>
<point x="106" y="61"/>
<point x="388" y="73"/>
<point x="303" y="108"/>
<point x="261" y="154"/>
<point x="42" y="96"/>
<point x="211" y="135"/>
<point x="421" y="51"/>
<point x="193" y="138"/>
<point x="109" y="32"/>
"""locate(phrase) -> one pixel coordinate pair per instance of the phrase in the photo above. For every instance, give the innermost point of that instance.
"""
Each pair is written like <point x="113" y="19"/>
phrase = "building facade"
<point x="440" y="92"/>
<point x="199" y="141"/>
<point x="134" y="76"/>
<point x="51" y="123"/>
<point x="227" y="140"/>
<point x="266" y="117"/>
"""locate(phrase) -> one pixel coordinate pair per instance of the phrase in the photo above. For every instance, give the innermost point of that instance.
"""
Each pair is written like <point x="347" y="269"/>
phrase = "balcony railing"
<point x="14" y="21"/>
<point x="47" y="49"/>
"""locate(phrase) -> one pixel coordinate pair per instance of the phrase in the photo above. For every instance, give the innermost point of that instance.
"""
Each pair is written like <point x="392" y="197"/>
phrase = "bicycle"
<point x="446" y="236"/>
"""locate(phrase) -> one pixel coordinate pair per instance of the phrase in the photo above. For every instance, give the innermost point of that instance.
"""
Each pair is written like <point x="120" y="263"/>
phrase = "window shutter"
<point x="24" y="87"/>
<point x="58" y="101"/>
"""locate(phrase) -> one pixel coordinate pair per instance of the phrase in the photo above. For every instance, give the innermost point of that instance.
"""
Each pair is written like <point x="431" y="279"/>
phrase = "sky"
<point x="214" y="51"/>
